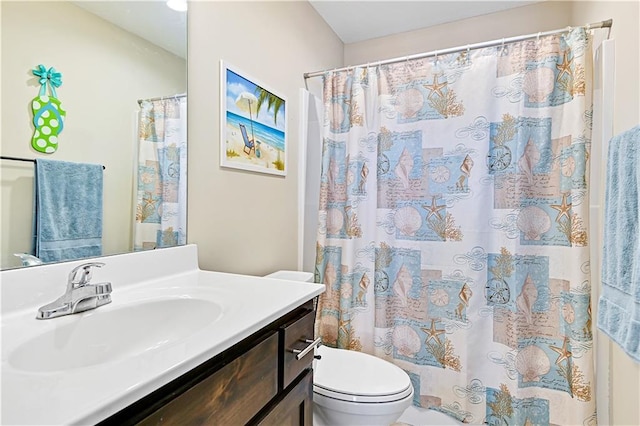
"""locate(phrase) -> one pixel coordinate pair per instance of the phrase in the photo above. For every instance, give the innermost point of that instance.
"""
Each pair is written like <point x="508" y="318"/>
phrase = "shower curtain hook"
<point x="436" y="59"/>
<point x="468" y="54"/>
<point x="538" y="37"/>
<point x="407" y="68"/>
<point x="567" y="31"/>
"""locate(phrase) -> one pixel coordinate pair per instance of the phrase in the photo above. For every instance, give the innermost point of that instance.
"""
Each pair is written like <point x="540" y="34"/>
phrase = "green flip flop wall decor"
<point x="48" y="114"/>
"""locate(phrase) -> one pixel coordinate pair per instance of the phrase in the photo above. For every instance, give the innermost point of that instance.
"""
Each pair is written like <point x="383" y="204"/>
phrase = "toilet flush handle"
<point x="300" y="353"/>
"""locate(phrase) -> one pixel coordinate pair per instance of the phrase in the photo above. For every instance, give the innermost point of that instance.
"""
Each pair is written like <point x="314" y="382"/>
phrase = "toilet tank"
<point x="292" y="276"/>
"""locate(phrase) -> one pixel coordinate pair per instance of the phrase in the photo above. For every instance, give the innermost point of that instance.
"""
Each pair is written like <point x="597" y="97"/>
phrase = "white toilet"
<point x="354" y="388"/>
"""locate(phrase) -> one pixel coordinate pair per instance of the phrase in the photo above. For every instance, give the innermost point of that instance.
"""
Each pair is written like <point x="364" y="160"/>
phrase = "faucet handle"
<point x="81" y="275"/>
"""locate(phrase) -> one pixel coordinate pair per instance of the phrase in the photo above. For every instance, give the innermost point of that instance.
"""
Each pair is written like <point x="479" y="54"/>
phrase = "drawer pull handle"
<point x="300" y="353"/>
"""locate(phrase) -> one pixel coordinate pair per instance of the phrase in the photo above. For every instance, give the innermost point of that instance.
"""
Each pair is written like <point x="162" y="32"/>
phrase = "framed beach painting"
<point x="253" y="124"/>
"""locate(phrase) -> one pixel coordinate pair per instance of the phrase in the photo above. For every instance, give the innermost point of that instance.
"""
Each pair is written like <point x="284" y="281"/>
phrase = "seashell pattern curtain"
<point x="453" y="227"/>
<point x="161" y="206"/>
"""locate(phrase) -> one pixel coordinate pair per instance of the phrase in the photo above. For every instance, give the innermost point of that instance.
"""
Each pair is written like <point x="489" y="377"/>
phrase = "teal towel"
<point x="68" y="210"/>
<point x="619" y="305"/>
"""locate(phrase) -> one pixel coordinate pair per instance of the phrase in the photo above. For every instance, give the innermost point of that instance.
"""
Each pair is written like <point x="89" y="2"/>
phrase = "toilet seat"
<point x="358" y="377"/>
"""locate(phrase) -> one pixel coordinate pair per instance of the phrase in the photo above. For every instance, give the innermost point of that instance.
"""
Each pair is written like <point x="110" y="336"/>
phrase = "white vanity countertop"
<point x="88" y="388"/>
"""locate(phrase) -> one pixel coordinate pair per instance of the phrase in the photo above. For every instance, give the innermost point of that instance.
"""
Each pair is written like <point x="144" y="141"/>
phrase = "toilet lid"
<point x="358" y="377"/>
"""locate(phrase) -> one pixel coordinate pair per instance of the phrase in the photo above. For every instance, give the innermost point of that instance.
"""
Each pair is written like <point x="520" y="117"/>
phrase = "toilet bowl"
<point x="354" y="388"/>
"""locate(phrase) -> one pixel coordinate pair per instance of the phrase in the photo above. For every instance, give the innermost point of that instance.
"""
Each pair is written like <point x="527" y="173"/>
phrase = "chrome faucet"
<point x="80" y="296"/>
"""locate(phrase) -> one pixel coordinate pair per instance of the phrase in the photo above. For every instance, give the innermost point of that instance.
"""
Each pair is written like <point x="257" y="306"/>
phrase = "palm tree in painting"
<point x="272" y="102"/>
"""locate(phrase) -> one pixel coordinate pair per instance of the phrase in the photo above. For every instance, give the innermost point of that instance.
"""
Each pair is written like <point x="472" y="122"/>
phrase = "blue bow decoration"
<point x="50" y="76"/>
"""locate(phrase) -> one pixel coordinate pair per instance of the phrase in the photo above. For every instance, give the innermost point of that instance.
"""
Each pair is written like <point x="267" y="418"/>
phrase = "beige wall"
<point x="104" y="71"/>
<point x="550" y="15"/>
<point x="247" y="222"/>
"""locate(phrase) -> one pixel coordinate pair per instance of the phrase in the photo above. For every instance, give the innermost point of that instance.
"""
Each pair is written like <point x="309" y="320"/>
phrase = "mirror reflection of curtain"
<point x="161" y="206"/>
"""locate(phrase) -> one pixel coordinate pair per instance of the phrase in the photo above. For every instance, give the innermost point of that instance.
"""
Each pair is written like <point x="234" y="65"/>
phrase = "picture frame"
<point x="253" y="124"/>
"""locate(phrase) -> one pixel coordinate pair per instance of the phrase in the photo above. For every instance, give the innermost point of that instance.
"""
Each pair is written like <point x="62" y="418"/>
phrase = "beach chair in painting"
<point x="249" y="145"/>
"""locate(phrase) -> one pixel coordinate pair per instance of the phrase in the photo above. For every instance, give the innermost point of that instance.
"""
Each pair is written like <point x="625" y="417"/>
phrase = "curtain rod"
<point x="29" y="160"/>
<point x="602" y="24"/>
<point x="161" y="98"/>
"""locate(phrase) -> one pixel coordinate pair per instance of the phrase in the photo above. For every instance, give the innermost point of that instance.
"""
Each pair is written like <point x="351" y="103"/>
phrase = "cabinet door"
<point x="296" y="409"/>
<point x="230" y="396"/>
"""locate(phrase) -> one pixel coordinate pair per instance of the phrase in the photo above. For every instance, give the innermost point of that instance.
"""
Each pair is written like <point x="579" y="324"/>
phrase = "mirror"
<point x="111" y="54"/>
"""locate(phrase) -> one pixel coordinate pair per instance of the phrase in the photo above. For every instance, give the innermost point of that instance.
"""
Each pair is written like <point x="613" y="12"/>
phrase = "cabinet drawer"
<point x="231" y="395"/>
<point x="296" y="336"/>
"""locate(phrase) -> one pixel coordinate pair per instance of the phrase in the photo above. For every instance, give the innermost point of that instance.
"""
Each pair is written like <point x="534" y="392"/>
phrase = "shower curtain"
<point x="453" y="227"/>
<point x="161" y="207"/>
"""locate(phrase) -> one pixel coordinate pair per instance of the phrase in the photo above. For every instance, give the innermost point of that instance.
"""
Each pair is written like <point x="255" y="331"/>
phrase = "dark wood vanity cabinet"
<point x="296" y="408"/>
<point x="258" y="381"/>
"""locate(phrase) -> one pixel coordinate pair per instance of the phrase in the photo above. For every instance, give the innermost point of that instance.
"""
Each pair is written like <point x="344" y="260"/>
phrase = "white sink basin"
<point x="103" y="336"/>
<point x="167" y="317"/>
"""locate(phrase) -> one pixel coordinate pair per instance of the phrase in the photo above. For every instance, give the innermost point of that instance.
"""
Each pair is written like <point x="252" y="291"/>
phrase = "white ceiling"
<point x="151" y="20"/>
<point x="355" y="21"/>
<point x="351" y="20"/>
